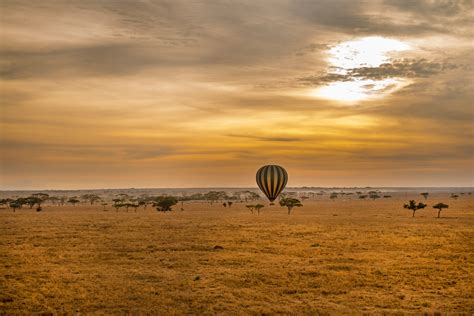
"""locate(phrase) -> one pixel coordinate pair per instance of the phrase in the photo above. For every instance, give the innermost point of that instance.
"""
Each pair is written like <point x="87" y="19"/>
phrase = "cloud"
<point x="268" y="138"/>
<point x="402" y="68"/>
<point x="117" y="91"/>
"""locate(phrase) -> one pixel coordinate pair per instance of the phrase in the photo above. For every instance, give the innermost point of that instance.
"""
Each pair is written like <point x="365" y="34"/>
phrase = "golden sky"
<point x="107" y="94"/>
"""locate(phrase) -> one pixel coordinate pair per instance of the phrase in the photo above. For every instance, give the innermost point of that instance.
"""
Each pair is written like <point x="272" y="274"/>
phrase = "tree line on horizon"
<point x="164" y="203"/>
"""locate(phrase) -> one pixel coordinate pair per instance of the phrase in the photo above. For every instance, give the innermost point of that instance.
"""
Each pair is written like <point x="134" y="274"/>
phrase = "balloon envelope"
<point x="272" y="179"/>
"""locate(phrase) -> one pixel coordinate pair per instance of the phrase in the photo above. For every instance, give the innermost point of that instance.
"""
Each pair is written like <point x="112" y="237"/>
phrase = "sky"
<point x="121" y="94"/>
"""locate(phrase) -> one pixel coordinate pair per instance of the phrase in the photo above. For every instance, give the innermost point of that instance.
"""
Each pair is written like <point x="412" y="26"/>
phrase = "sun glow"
<point x="365" y="52"/>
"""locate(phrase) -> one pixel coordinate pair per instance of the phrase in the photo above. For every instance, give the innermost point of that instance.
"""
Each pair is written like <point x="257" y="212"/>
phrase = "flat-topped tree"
<point x="32" y="200"/>
<point x="425" y="195"/>
<point x="14" y="205"/>
<point x="73" y="201"/>
<point x="250" y="207"/>
<point x="6" y="202"/>
<point x="374" y="196"/>
<point x="414" y="207"/>
<point x="42" y="196"/>
<point x="440" y="207"/>
<point x="290" y="203"/>
<point x="91" y="198"/>
<point x="258" y="207"/>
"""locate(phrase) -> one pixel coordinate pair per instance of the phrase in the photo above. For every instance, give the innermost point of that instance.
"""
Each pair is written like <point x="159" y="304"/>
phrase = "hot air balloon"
<point x="272" y="179"/>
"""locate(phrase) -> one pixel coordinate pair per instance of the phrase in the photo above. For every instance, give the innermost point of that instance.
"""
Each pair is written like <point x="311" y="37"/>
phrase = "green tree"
<point x="290" y="203"/>
<point x="440" y="207"/>
<point x="414" y="207"/>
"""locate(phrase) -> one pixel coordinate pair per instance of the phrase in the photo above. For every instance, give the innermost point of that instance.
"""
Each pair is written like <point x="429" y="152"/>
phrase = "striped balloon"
<point x="272" y="179"/>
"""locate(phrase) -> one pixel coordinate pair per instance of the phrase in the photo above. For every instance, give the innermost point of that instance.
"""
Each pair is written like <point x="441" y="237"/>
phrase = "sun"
<point x="363" y="52"/>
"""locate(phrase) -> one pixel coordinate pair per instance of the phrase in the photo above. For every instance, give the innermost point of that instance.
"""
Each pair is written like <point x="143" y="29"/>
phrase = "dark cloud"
<point x="403" y="68"/>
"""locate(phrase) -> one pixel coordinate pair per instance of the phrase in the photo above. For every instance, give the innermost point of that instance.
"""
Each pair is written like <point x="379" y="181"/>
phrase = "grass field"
<point x="328" y="257"/>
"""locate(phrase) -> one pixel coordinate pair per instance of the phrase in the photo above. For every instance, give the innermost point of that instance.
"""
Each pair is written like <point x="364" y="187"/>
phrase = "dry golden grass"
<point x="328" y="257"/>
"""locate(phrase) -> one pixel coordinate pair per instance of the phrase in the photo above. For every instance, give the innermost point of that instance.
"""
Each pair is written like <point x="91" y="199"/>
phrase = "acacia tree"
<point x="290" y="203"/>
<point x="250" y="207"/>
<point x="229" y="203"/>
<point x="425" y="195"/>
<point x="414" y="207"/>
<point x="104" y="205"/>
<point x="440" y="207"/>
<point x="374" y="196"/>
<point x="92" y="198"/>
<point x="164" y="203"/>
<point x="258" y="207"/>
<point x="14" y="205"/>
<point x="32" y="200"/>
<point x="73" y="201"/>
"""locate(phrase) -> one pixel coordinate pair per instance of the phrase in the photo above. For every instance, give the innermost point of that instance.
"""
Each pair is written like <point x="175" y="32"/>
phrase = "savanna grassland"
<point x="342" y="256"/>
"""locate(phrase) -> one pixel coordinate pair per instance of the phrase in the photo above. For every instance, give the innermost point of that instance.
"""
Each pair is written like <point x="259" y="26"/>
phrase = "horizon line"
<point x="239" y="187"/>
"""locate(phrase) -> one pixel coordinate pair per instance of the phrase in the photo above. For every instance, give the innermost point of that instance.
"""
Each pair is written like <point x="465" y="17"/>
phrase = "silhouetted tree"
<point x="91" y="198"/>
<point x="440" y="207"/>
<point x="32" y="201"/>
<point x="363" y="197"/>
<point x="425" y="195"/>
<point x="454" y="196"/>
<point x="14" y="205"/>
<point x="258" y="207"/>
<point x="414" y="207"/>
<point x="250" y="207"/>
<point x="229" y="203"/>
<point x="73" y="201"/>
<point x="374" y="196"/>
<point x="164" y="203"/>
<point x="333" y="196"/>
<point x="290" y="203"/>
<point x="387" y="196"/>
<point x="224" y="204"/>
